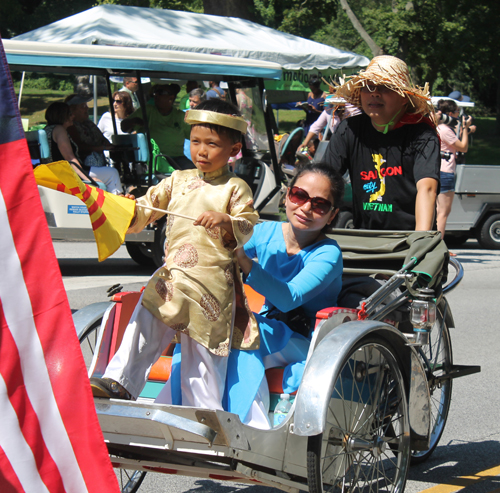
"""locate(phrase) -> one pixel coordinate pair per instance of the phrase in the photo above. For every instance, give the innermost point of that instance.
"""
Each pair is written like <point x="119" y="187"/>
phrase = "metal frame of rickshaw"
<point x="143" y="436"/>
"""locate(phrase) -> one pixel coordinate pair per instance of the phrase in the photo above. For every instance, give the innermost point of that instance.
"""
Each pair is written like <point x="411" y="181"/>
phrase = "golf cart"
<point x="67" y="217"/>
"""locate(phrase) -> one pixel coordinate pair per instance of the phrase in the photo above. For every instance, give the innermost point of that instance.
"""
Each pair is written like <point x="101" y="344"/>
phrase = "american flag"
<point x="50" y="439"/>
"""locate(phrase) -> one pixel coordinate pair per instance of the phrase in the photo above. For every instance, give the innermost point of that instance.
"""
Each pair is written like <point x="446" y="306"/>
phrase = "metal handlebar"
<point x="459" y="274"/>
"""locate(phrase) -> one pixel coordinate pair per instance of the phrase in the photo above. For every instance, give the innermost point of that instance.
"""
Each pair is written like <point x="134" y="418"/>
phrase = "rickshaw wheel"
<point x="88" y="342"/>
<point x="365" y="444"/>
<point x="129" y="480"/>
<point x="437" y="360"/>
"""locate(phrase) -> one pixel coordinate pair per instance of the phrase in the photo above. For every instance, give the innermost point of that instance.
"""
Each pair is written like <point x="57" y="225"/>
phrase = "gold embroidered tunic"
<point x="198" y="291"/>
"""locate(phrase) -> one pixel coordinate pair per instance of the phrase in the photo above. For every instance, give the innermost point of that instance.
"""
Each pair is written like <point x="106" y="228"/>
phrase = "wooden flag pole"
<point x="166" y="212"/>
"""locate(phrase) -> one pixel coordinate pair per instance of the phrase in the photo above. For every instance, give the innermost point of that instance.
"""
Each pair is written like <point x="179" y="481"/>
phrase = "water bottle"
<point x="282" y="409"/>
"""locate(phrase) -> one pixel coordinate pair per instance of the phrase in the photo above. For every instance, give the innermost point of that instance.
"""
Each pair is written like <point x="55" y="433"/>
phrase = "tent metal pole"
<point x="20" y="91"/>
<point x="94" y="79"/>
<point x="111" y="106"/>
<point x="142" y="101"/>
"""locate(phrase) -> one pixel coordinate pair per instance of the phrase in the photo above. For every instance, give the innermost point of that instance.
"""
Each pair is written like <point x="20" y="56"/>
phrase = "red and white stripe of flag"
<point x="50" y="439"/>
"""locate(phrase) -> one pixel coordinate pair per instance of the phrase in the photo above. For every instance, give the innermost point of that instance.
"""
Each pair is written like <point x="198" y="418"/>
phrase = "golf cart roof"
<point x="37" y="56"/>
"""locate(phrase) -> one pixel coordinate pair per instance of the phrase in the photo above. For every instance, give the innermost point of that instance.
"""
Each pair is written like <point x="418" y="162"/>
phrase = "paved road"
<point x="470" y="444"/>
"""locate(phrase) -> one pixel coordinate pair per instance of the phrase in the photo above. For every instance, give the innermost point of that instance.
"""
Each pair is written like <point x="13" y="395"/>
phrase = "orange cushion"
<point x="255" y="300"/>
<point x="161" y="369"/>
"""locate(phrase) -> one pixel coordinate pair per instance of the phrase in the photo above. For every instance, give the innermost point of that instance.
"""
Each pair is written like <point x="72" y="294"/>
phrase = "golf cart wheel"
<point x="345" y="220"/>
<point x="489" y="233"/>
<point x="140" y="252"/>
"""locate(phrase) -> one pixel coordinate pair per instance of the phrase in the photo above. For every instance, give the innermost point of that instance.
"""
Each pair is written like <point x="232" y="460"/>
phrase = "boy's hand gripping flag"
<point x="110" y="214"/>
<point x="50" y="439"/>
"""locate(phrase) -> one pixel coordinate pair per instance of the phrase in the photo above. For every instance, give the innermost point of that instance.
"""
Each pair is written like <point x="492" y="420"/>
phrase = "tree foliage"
<point x="448" y="43"/>
<point x="20" y="16"/>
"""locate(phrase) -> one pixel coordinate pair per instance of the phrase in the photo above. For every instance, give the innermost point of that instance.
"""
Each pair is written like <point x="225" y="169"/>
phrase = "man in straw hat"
<point x="391" y="150"/>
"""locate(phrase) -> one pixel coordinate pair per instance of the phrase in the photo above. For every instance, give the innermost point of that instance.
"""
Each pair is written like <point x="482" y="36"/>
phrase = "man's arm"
<point x="425" y="204"/>
<point x="336" y="152"/>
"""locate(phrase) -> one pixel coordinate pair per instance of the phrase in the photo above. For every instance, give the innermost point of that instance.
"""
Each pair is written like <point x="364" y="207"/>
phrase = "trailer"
<point x="476" y="206"/>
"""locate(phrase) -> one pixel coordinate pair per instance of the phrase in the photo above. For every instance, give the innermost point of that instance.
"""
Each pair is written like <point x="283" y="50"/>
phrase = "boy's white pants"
<point x="203" y="374"/>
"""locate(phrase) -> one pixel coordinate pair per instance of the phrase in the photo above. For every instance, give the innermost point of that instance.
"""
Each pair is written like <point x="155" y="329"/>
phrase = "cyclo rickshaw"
<point x="374" y="397"/>
<point x="376" y="390"/>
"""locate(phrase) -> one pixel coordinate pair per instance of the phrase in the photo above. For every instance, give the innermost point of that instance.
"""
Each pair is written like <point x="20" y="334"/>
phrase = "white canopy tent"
<point x="185" y="31"/>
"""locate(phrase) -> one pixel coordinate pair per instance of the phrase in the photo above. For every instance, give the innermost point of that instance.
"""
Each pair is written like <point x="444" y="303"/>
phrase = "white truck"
<point x="476" y="206"/>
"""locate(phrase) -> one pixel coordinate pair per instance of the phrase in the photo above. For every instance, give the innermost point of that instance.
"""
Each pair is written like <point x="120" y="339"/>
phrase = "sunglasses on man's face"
<point x="373" y="87"/>
<point x="319" y="205"/>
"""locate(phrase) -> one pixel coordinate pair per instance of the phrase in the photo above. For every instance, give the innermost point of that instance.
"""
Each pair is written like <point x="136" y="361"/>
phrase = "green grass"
<point x="287" y="119"/>
<point x="34" y="103"/>
<point x="484" y="148"/>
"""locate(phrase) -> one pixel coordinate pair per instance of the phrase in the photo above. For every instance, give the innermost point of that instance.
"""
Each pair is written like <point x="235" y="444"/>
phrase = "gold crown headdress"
<point x="235" y="122"/>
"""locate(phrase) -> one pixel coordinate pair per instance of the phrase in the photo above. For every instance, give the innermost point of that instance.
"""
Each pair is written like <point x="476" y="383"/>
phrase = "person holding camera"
<point x="450" y="145"/>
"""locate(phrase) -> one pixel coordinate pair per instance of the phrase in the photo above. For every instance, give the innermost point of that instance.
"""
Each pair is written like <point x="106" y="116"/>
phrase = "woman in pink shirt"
<point x="450" y="145"/>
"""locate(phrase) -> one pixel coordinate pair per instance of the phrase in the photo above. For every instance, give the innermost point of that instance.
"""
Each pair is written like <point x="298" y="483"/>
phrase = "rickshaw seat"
<point x="126" y="302"/>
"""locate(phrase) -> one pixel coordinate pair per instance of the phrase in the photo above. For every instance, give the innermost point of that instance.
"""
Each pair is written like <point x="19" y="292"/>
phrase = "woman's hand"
<point x="243" y="260"/>
<point x="129" y="196"/>
<point x="312" y="109"/>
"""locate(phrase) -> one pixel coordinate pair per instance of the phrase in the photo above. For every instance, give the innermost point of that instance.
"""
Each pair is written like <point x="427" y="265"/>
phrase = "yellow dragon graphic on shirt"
<point x="378" y="160"/>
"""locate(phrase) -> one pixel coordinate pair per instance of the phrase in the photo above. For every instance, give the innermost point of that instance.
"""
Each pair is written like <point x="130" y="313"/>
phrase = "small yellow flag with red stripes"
<point x="110" y="214"/>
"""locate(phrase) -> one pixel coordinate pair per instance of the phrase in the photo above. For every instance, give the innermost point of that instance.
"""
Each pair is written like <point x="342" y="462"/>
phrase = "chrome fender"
<point x="89" y="315"/>
<point x="324" y="366"/>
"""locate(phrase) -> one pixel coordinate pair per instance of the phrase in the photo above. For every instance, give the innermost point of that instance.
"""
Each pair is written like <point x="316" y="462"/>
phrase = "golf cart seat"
<point x="38" y="145"/>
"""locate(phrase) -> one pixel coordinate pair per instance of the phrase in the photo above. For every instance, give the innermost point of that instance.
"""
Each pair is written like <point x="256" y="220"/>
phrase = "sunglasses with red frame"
<point x="319" y="205"/>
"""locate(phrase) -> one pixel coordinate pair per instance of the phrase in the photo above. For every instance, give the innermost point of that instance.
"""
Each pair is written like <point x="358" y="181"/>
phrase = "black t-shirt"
<point x="384" y="169"/>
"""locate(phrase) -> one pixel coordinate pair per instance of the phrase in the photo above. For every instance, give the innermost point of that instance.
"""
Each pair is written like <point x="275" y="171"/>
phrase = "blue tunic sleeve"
<point x="318" y="273"/>
<point x="292" y="281"/>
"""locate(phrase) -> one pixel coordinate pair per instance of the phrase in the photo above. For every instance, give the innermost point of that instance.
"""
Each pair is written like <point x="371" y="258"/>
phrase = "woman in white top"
<point x="122" y="105"/>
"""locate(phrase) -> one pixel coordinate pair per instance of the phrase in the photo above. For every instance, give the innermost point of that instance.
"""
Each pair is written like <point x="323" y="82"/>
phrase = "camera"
<point x="452" y="121"/>
<point x="449" y="120"/>
<point x="467" y="117"/>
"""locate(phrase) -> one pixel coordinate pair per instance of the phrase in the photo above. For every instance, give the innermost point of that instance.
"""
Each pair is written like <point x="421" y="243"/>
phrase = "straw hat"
<point x="393" y="73"/>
